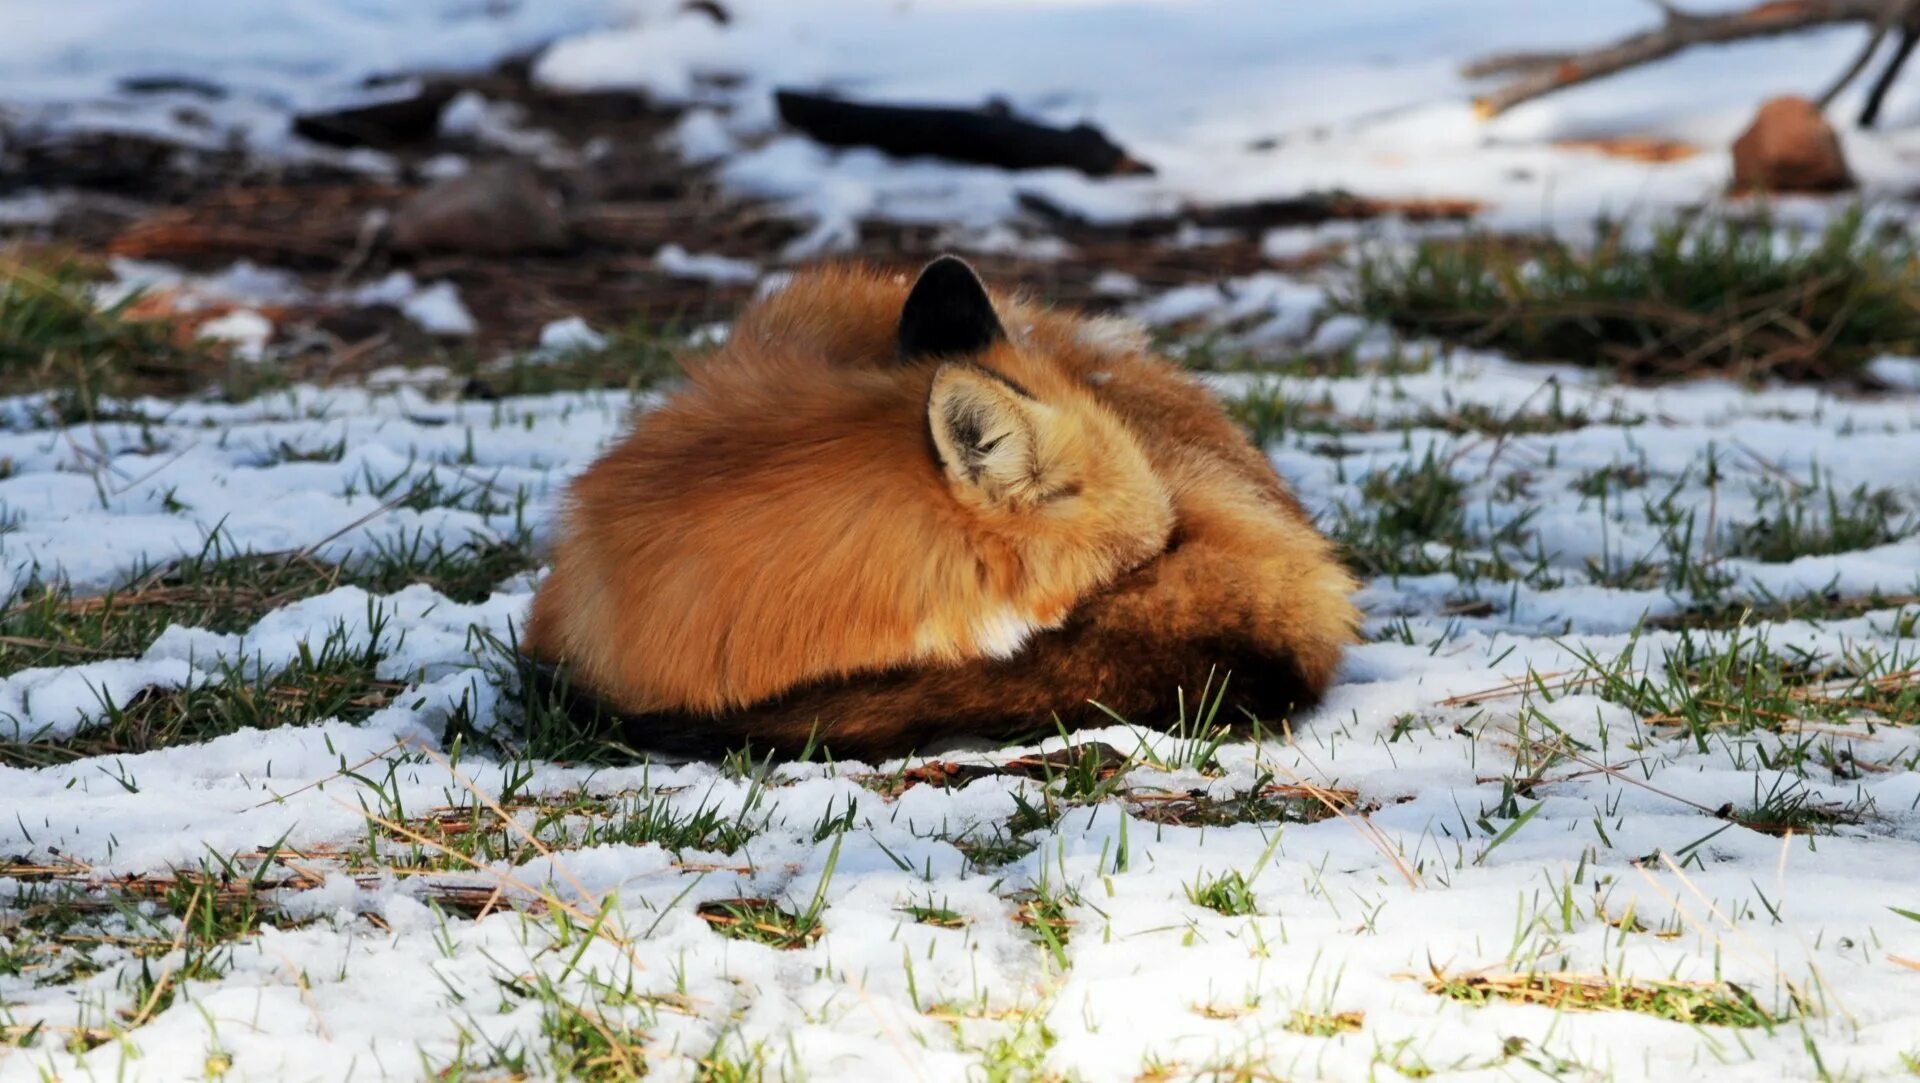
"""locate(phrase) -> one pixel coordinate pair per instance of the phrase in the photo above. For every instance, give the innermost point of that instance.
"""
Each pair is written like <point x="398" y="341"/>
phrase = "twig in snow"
<point x="1537" y="75"/>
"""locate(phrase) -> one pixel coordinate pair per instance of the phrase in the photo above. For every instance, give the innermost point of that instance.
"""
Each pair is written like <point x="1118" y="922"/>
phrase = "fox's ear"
<point x="986" y="431"/>
<point x="948" y="313"/>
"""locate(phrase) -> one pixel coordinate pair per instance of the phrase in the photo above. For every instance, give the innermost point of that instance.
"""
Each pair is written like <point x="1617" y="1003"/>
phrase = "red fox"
<point x="886" y="513"/>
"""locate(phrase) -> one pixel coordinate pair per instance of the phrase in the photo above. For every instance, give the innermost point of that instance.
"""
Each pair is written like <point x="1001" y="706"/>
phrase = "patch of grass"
<point x="462" y="837"/>
<point x="760" y="920"/>
<point x="1619" y="477"/>
<point x="1043" y="911"/>
<point x="1479" y="419"/>
<point x="1814" y="608"/>
<point x="634" y="359"/>
<point x="334" y="680"/>
<point x="587" y="1043"/>
<point x="1678" y="560"/>
<point x="940" y="917"/>
<point x="1788" y="806"/>
<point x="1019" y="1053"/>
<point x="1400" y="511"/>
<point x="1266" y="802"/>
<point x="542" y="714"/>
<point x="55" y="334"/>
<point x="1231" y="893"/>
<point x="151" y="933"/>
<point x="766" y="922"/>
<point x="1325" y="1025"/>
<point x="225" y="591"/>
<point x="1794" y="523"/>
<point x="993" y="849"/>
<point x="1703" y="293"/>
<point x="1268" y="413"/>
<point x="1693" y="1003"/>
<point x="1737" y="683"/>
<point x="1228" y="894"/>
<point x="1219" y="352"/>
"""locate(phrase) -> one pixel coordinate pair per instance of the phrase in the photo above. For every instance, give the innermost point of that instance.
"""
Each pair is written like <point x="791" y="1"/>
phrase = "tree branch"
<point x="1900" y="12"/>
<point x="1870" y="112"/>
<point x="1677" y="32"/>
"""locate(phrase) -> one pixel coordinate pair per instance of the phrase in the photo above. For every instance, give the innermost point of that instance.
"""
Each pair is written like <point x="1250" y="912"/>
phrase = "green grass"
<point x="1706" y="294"/>
<point x="330" y="679"/>
<point x="1228" y="894"/>
<point x="1737" y="683"/>
<point x="940" y="917"/>
<point x="1325" y="1024"/>
<point x="1692" y="1003"/>
<point x="1268" y="413"/>
<point x="55" y="334"/>
<point x="149" y="934"/>
<point x="1820" y="520"/>
<point x="462" y="837"/>
<point x="1816" y="607"/>
<point x="634" y="359"/>
<point x="1398" y="512"/>
<point x="225" y="591"/>
<point x="764" y="921"/>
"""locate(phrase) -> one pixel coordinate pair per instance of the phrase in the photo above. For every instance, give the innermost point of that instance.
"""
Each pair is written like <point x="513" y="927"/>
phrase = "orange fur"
<point x="782" y="518"/>
<point x="765" y="467"/>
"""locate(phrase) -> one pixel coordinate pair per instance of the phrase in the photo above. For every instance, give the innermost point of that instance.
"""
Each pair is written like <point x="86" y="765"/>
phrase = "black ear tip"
<point x="947" y="268"/>
<point x="947" y="312"/>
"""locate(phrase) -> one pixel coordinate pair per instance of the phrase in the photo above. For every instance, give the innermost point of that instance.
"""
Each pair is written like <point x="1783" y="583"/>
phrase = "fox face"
<point x="820" y="501"/>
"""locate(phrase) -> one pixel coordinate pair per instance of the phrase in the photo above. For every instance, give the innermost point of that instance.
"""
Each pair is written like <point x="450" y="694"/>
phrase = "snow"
<point x="1231" y="100"/>
<point x="1352" y="914"/>
<point x="247" y="331"/>
<point x="246" y="67"/>
<point x="367" y="975"/>
<point x="680" y="263"/>
<point x="437" y="309"/>
<point x="571" y="333"/>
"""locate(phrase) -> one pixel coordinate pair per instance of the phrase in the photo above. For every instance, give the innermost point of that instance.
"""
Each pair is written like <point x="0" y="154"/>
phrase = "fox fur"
<point x="807" y="508"/>
<point x="891" y="512"/>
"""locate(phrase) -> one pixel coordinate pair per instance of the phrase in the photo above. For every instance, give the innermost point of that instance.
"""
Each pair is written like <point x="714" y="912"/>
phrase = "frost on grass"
<point x="1622" y="784"/>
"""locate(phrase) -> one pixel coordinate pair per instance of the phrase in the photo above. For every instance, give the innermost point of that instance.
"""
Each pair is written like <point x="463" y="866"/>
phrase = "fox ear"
<point x="948" y="313"/>
<point x="986" y="432"/>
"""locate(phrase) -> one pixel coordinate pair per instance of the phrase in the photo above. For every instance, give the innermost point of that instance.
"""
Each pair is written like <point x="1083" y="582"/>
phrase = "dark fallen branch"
<point x="382" y="125"/>
<point x="990" y="136"/>
<point x="1545" y="73"/>
<point x="1252" y="218"/>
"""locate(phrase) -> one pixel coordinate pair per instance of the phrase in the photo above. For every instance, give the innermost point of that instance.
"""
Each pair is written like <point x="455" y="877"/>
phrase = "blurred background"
<point x="336" y="185"/>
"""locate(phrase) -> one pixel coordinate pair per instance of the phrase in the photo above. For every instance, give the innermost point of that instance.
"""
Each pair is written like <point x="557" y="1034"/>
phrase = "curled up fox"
<point x="890" y="512"/>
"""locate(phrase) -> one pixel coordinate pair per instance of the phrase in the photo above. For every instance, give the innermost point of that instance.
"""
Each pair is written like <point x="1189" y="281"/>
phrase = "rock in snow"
<point x="1789" y="147"/>
<point x="494" y="209"/>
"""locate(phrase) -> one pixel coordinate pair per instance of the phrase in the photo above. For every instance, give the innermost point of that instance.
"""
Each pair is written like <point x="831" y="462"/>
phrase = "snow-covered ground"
<point x="1610" y="861"/>
<point x="1493" y="829"/>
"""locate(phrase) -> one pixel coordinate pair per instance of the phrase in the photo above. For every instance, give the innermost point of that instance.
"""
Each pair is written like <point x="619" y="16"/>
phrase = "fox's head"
<point x="1030" y="453"/>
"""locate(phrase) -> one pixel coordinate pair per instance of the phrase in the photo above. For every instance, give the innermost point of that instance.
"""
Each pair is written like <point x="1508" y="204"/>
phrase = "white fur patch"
<point x="999" y="634"/>
<point x="1002" y="633"/>
<point x="1113" y="336"/>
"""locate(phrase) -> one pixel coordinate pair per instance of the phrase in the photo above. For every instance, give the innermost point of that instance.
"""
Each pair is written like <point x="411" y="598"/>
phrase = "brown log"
<point x="1679" y="31"/>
